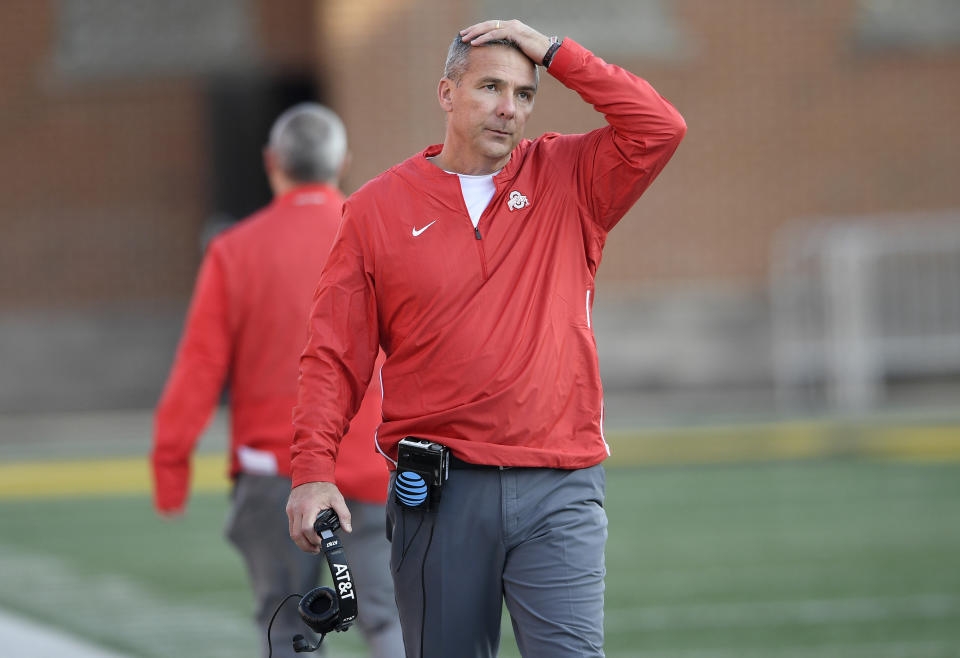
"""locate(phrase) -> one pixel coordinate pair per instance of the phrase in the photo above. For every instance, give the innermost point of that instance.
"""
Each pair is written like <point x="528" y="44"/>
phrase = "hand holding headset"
<point x="326" y="609"/>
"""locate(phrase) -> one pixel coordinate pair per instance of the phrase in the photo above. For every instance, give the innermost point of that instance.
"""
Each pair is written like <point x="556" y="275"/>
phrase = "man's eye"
<point x="524" y="96"/>
<point x="491" y="87"/>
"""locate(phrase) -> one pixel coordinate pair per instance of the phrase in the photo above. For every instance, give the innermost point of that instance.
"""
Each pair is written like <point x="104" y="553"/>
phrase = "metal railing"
<point x="857" y="301"/>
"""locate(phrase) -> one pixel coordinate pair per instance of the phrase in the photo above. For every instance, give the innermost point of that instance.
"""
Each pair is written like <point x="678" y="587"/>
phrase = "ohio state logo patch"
<point x="517" y="201"/>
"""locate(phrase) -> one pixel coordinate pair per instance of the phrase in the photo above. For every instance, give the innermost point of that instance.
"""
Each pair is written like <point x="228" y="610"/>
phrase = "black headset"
<point x="326" y="609"/>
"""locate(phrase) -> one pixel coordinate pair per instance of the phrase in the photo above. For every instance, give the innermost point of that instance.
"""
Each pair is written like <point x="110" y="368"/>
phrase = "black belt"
<point x="456" y="463"/>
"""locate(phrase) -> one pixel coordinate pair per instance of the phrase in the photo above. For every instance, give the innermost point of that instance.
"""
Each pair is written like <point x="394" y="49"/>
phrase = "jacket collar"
<point x="309" y="194"/>
<point x="433" y="172"/>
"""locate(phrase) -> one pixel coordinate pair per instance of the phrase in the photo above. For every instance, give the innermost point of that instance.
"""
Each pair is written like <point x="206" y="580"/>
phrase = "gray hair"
<point x="459" y="54"/>
<point x="309" y="143"/>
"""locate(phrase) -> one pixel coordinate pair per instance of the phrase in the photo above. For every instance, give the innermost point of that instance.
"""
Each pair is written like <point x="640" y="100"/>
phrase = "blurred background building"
<point x="801" y="251"/>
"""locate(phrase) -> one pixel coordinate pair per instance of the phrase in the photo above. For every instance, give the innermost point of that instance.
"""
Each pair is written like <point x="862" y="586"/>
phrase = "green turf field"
<point x="842" y="558"/>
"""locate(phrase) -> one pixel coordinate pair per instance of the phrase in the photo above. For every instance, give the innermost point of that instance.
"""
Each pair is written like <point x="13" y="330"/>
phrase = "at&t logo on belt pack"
<point x="422" y="468"/>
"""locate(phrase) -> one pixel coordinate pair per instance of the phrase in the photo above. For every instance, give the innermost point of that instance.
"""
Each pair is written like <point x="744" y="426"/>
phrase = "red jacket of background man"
<point x="487" y="333"/>
<point x="246" y="328"/>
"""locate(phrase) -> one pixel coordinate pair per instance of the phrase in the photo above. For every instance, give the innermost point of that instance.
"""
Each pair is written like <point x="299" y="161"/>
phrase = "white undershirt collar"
<point x="477" y="192"/>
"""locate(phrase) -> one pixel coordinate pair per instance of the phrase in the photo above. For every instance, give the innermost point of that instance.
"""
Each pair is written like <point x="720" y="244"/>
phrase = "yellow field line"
<point x="60" y="478"/>
<point x="781" y="441"/>
<point x="784" y="441"/>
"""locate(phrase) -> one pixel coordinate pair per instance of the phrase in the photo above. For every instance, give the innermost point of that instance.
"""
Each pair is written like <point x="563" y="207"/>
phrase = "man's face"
<point x="488" y="108"/>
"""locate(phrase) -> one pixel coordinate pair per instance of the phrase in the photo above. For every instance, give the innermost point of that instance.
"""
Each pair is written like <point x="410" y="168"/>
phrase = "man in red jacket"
<point x="246" y="327"/>
<point x="472" y="264"/>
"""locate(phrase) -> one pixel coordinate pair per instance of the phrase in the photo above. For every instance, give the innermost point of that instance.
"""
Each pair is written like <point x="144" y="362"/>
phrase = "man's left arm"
<point x="193" y="386"/>
<point x="617" y="163"/>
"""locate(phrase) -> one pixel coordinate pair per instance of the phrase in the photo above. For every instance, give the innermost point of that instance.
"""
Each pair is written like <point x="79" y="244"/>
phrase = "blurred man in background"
<point x="473" y="265"/>
<point x="246" y="328"/>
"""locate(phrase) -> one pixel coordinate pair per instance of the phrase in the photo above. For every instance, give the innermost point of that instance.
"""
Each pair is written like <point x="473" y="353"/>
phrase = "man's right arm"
<point x="335" y="370"/>
<point x="193" y="386"/>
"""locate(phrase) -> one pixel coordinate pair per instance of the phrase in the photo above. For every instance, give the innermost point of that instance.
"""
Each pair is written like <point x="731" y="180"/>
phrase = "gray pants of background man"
<point x="258" y="528"/>
<point x="534" y="537"/>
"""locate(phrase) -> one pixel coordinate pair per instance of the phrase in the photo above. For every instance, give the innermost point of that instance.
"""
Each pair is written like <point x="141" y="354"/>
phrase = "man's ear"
<point x="269" y="162"/>
<point x="445" y="93"/>
<point x="275" y="176"/>
<point x="344" y="166"/>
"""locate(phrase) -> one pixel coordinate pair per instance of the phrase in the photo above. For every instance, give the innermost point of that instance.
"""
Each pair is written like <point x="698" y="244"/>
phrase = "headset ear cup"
<point x="320" y="610"/>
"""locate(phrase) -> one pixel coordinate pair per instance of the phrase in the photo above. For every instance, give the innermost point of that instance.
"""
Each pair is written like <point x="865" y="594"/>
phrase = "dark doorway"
<point x="241" y="111"/>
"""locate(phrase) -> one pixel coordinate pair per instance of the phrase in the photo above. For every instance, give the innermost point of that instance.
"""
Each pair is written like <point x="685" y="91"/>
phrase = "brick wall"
<point x="102" y="182"/>
<point x="106" y="180"/>
<point x="106" y="183"/>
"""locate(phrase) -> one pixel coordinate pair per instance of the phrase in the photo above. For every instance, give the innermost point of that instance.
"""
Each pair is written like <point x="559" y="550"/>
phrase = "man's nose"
<point x="507" y="106"/>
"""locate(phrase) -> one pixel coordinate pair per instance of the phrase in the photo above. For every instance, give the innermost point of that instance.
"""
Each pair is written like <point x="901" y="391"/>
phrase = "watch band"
<point x="551" y="51"/>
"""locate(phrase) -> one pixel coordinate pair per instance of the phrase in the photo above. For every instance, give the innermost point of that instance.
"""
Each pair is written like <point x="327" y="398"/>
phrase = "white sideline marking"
<point x="24" y="638"/>
<point x="135" y="616"/>
<point x="834" y="650"/>
<point x="157" y="626"/>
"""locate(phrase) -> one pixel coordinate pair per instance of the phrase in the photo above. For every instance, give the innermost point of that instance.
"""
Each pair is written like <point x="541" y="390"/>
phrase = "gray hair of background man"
<point x="309" y="143"/>
<point x="458" y="57"/>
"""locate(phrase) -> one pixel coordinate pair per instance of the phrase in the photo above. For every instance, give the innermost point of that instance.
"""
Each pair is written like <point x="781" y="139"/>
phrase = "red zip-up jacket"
<point x="246" y="326"/>
<point x="487" y="332"/>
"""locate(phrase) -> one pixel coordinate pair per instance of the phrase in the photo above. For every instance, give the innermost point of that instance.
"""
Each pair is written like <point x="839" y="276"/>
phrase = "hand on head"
<point x="533" y="44"/>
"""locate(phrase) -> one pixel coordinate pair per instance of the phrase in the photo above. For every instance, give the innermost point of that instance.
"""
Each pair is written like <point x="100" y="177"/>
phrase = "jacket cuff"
<point x="568" y="56"/>
<point x="170" y="484"/>
<point x="314" y="473"/>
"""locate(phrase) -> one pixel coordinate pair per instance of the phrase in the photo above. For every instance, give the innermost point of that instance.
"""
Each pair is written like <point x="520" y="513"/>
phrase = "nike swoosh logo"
<point x="418" y="231"/>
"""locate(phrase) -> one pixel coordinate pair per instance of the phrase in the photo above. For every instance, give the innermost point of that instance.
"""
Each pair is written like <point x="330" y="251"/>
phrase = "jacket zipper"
<point x="476" y="233"/>
<point x="480" y="251"/>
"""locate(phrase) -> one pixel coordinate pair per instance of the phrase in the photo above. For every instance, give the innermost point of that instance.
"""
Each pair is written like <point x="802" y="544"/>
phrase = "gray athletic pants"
<point x="533" y="537"/>
<point x="258" y="528"/>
